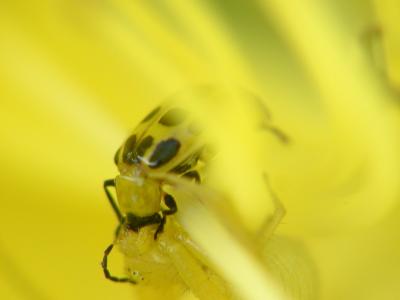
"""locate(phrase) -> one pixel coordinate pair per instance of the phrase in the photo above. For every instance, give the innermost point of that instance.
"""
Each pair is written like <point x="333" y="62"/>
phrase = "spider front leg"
<point x="171" y="204"/>
<point x="272" y="222"/>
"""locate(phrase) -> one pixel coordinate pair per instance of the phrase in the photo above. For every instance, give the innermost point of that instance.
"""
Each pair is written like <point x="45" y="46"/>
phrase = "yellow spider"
<point x="164" y="152"/>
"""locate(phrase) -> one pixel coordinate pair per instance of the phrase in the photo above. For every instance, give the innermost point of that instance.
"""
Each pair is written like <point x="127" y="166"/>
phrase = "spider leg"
<point x="273" y="221"/>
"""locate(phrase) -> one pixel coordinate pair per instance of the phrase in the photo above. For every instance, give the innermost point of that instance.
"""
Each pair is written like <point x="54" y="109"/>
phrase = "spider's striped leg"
<point x="272" y="222"/>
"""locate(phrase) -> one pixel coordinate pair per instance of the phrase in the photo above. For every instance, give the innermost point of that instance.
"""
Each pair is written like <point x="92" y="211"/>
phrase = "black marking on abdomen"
<point x="144" y="145"/>
<point x="187" y="164"/>
<point x="129" y="147"/>
<point x="173" y="117"/>
<point x="151" y="114"/>
<point x="181" y="168"/>
<point x="193" y="175"/>
<point x="164" y="152"/>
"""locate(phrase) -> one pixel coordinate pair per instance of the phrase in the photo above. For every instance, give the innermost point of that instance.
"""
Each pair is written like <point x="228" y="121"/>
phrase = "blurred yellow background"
<point x="76" y="77"/>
